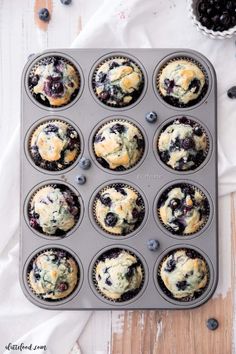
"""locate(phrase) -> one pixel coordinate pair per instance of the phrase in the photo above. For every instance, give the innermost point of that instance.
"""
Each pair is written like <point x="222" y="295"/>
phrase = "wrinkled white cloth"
<point x="119" y="24"/>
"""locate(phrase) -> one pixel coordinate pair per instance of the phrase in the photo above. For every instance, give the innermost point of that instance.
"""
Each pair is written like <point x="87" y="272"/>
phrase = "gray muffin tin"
<point x="150" y="177"/>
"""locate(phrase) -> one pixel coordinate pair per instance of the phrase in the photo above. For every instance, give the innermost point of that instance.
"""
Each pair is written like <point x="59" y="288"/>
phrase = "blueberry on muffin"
<point x="183" y="209"/>
<point x="54" y="210"/>
<point x="54" y="81"/>
<point x="118" y="209"/>
<point x="182" y="83"/>
<point x="118" y="82"/>
<point x="183" y="274"/>
<point x="118" y="275"/>
<point x="54" y="145"/>
<point x="183" y="144"/>
<point x="53" y="274"/>
<point x="118" y="145"/>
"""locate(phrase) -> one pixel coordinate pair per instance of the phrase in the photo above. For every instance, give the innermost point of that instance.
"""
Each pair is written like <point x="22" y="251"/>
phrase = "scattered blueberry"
<point x="66" y="2"/>
<point x="153" y="245"/>
<point x="44" y="14"/>
<point x="84" y="163"/>
<point x="151" y="117"/>
<point x="212" y="324"/>
<point x="232" y="92"/>
<point x="80" y="179"/>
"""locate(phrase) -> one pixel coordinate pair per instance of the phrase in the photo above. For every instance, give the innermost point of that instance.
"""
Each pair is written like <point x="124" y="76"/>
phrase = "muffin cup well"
<point x="105" y="164"/>
<point x="136" y="98"/>
<point x="171" y="101"/>
<point x="44" y="60"/>
<point x="128" y="296"/>
<point x="58" y="234"/>
<point x="54" y="166"/>
<point x="191" y="121"/>
<point x="164" y="193"/>
<point x="29" y="267"/>
<point x="197" y="294"/>
<point x="140" y="201"/>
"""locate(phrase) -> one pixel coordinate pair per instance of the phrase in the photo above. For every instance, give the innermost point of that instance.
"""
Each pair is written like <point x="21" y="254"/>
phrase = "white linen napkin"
<point x="117" y="23"/>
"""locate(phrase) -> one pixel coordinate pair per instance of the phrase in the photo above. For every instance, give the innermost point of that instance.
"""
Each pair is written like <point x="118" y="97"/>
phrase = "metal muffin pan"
<point x="150" y="176"/>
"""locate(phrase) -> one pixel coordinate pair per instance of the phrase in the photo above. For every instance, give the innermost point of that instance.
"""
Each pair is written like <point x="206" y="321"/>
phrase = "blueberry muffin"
<point x="183" y="144"/>
<point x="118" y="209"/>
<point x="118" y="275"/>
<point x="53" y="274"/>
<point x="54" y="210"/>
<point x="183" y="209"/>
<point x="182" y="83"/>
<point x="118" y="145"/>
<point x="54" y="81"/>
<point x="183" y="274"/>
<point x="118" y="82"/>
<point x="54" y="145"/>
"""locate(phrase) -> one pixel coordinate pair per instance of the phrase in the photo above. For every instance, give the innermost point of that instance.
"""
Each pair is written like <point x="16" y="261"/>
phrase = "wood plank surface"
<point x="116" y="332"/>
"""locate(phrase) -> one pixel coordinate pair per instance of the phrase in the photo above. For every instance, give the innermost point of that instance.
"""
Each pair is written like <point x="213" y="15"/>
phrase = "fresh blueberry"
<point x="153" y="245"/>
<point x="135" y="213"/>
<point x="225" y="19"/>
<point x="66" y="2"/>
<point x="232" y="92"/>
<point x="44" y="14"/>
<point x="111" y="219"/>
<point x="84" y="163"/>
<point x="184" y="120"/>
<point x="151" y="117"/>
<point x="81" y="179"/>
<point x="212" y="324"/>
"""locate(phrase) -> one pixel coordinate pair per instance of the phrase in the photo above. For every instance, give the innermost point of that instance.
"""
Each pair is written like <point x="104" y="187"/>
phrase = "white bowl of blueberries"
<point x="214" y="18"/>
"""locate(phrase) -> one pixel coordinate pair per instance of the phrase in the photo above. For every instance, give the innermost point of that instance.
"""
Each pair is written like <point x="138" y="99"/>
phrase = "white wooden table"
<point x="117" y="332"/>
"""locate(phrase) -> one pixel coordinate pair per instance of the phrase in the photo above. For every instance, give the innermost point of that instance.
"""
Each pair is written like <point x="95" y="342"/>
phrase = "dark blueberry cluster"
<point x="217" y="15"/>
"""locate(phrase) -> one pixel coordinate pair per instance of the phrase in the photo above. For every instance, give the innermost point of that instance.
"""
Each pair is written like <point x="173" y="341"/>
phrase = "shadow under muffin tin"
<point x="99" y="103"/>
